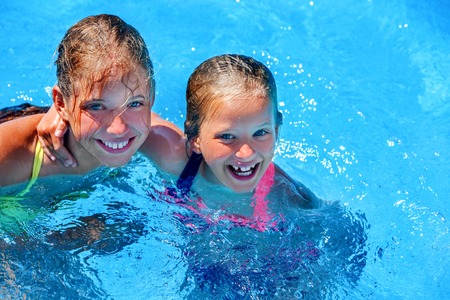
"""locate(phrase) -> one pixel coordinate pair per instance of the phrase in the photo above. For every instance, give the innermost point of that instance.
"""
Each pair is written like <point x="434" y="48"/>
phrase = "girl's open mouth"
<point x="243" y="172"/>
<point x="116" y="147"/>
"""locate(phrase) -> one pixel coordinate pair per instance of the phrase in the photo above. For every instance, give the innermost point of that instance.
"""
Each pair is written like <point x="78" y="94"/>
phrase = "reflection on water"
<point x="309" y="253"/>
<point x="91" y="243"/>
<point x="363" y="86"/>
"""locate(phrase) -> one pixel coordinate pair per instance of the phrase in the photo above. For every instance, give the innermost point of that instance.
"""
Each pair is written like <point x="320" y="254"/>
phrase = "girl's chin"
<point x="114" y="162"/>
<point x="242" y="189"/>
<point x="239" y="184"/>
<point x="112" y="165"/>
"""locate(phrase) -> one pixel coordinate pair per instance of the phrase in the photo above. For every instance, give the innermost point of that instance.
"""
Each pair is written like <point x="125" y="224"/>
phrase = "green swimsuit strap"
<point x="12" y="211"/>
<point x="37" y="163"/>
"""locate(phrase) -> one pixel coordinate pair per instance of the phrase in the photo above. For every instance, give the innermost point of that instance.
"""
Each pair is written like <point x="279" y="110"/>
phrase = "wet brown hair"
<point x="225" y="77"/>
<point x="96" y="49"/>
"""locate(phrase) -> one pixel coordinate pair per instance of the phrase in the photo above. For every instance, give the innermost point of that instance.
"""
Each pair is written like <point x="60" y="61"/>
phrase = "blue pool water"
<point x="364" y="89"/>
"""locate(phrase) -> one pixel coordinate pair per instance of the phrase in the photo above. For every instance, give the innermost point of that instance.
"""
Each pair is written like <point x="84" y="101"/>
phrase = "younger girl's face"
<point x="237" y="142"/>
<point x="114" y="121"/>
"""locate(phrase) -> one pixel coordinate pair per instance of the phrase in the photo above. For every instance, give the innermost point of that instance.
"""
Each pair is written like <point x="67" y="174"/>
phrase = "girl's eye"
<point x="260" y="132"/>
<point x="226" y="136"/>
<point x="136" y="104"/>
<point x="94" y="107"/>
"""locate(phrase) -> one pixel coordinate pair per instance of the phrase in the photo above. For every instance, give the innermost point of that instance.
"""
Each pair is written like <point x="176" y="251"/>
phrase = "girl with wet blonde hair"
<point x="104" y="94"/>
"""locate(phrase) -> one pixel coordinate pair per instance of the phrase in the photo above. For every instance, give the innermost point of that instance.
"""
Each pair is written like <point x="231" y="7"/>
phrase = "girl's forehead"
<point x="241" y="103"/>
<point x="134" y="80"/>
<point x="240" y="108"/>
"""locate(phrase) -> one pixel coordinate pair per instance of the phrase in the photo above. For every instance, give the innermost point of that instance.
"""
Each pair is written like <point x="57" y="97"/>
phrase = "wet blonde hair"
<point x="97" y="49"/>
<point x="223" y="78"/>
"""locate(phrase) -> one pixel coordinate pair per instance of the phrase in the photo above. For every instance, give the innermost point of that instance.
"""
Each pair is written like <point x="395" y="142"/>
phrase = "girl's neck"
<point x="208" y="176"/>
<point x="219" y="197"/>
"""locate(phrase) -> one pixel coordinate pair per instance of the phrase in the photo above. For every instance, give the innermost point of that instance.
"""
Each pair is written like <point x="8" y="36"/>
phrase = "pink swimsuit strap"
<point x="261" y="219"/>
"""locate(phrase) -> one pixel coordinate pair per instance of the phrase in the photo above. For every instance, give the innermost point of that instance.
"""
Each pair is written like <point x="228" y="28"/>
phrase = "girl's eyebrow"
<point x="131" y="95"/>
<point x="136" y="96"/>
<point x="88" y="101"/>
<point x="268" y="123"/>
<point x="104" y="100"/>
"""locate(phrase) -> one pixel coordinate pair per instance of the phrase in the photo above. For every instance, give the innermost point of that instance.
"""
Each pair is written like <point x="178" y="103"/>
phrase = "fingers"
<point x="62" y="153"/>
<point x="61" y="129"/>
<point x="47" y="150"/>
<point x="56" y="152"/>
<point x="51" y="131"/>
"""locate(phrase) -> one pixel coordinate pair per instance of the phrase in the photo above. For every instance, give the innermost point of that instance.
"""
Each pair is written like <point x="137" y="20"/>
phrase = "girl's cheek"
<point x="269" y="146"/>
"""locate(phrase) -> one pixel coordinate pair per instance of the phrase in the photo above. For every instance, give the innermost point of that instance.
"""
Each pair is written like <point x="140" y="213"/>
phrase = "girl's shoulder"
<point x="295" y="192"/>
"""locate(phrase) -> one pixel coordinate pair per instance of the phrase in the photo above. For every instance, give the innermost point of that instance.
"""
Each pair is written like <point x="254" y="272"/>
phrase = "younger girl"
<point x="252" y="230"/>
<point x="231" y="128"/>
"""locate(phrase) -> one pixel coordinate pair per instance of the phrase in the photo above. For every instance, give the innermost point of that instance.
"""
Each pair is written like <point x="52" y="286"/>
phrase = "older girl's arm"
<point x="17" y="139"/>
<point x="166" y="146"/>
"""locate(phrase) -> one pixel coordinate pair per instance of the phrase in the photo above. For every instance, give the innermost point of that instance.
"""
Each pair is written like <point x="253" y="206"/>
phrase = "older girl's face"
<point x="237" y="142"/>
<point x="114" y="121"/>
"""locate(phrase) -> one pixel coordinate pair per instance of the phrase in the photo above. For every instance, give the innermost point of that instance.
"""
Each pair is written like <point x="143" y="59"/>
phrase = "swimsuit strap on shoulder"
<point x="37" y="163"/>
<point x="186" y="179"/>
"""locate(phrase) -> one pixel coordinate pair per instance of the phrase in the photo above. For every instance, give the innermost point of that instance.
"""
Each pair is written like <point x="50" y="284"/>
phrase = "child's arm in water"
<point x="18" y="140"/>
<point x="297" y="193"/>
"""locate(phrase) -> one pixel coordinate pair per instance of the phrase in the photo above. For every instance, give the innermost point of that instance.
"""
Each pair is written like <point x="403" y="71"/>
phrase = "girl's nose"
<point x="245" y="151"/>
<point x="117" y="126"/>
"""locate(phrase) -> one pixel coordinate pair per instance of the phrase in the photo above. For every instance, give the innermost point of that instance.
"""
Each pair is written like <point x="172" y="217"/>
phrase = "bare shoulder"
<point x="165" y="145"/>
<point x="17" y="140"/>
<point x="297" y="192"/>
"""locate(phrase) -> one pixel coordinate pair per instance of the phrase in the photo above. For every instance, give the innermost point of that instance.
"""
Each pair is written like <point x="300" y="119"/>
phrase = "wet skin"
<point x="237" y="142"/>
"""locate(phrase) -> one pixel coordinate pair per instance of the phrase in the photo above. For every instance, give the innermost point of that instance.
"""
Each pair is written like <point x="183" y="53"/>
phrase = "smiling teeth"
<point x="115" y="145"/>
<point x="243" y="171"/>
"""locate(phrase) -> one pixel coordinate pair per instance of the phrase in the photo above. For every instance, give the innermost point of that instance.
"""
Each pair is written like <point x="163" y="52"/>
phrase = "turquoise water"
<point x="363" y="86"/>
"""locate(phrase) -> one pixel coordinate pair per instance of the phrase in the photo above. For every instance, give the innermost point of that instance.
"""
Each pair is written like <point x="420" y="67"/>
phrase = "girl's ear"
<point x="195" y="145"/>
<point x="277" y="133"/>
<point x="58" y="100"/>
<point x="152" y="92"/>
<point x="278" y="122"/>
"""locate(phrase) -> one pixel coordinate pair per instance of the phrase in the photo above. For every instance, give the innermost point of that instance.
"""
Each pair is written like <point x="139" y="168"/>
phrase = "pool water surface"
<point x="363" y="87"/>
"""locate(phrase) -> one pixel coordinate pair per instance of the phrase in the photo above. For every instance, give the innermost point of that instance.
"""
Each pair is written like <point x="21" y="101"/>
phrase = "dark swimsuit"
<point x="186" y="179"/>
